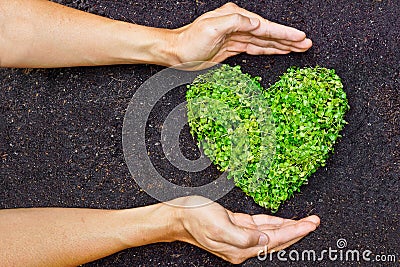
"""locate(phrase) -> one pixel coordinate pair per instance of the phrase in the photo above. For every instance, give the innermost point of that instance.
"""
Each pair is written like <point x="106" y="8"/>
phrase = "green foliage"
<point x="270" y="141"/>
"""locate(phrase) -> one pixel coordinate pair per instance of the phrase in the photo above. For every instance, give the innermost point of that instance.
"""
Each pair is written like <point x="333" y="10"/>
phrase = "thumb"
<point x="242" y="237"/>
<point x="233" y="23"/>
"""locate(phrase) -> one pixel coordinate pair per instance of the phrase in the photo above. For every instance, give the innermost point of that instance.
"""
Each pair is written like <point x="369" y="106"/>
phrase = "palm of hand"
<point x="237" y="236"/>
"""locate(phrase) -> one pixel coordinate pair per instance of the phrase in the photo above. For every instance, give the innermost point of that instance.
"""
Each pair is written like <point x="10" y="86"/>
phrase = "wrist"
<point x="140" y="44"/>
<point x="149" y="224"/>
<point x="164" y="50"/>
<point x="181" y="209"/>
<point x="177" y="229"/>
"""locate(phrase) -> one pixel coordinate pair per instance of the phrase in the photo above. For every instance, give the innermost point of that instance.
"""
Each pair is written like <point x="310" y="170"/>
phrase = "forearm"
<point x="39" y="33"/>
<point x="69" y="237"/>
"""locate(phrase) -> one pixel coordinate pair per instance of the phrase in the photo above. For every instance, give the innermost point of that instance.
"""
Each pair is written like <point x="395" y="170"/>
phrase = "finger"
<point x="266" y="227"/>
<point x="275" y="223"/>
<point x="262" y="219"/>
<point x="267" y="28"/>
<point x="287" y="244"/>
<point x="268" y="43"/>
<point x="233" y="46"/>
<point x="242" y="219"/>
<point x="313" y="218"/>
<point x="256" y="50"/>
<point x="259" y="222"/>
<point x="275" y="245"/>
<point x="260" y="41"/>
<point x="261" y="249"/>
<point x="256" y="251"/>
<point x="242" y="237"/>
<point x="274" y="30"/>
<point x="251" y="49"/>
<point x="229" y="23"/>
<point x="305" y="44"/>
<point x="283" y="235"/>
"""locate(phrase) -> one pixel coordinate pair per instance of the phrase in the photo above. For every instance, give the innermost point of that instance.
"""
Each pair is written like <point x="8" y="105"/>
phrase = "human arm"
<point x="69" y="237"/>
<point x="39" y="33"/>
<point x="73" y="236"/>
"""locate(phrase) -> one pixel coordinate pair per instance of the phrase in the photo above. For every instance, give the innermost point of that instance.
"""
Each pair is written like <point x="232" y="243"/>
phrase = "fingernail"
<point x="254" y="21"/>
<point x="263" y="240"/>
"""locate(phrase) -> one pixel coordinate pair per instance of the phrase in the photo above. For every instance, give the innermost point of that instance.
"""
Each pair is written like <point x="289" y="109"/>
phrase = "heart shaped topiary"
<point x="269" y="141"/>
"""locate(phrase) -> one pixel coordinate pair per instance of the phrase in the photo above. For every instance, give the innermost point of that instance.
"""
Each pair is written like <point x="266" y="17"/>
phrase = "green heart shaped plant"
<point x="269" y="141"/>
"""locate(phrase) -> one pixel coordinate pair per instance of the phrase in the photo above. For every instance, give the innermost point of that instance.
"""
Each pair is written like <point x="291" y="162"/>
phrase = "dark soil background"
<point x="60" y="129"/>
